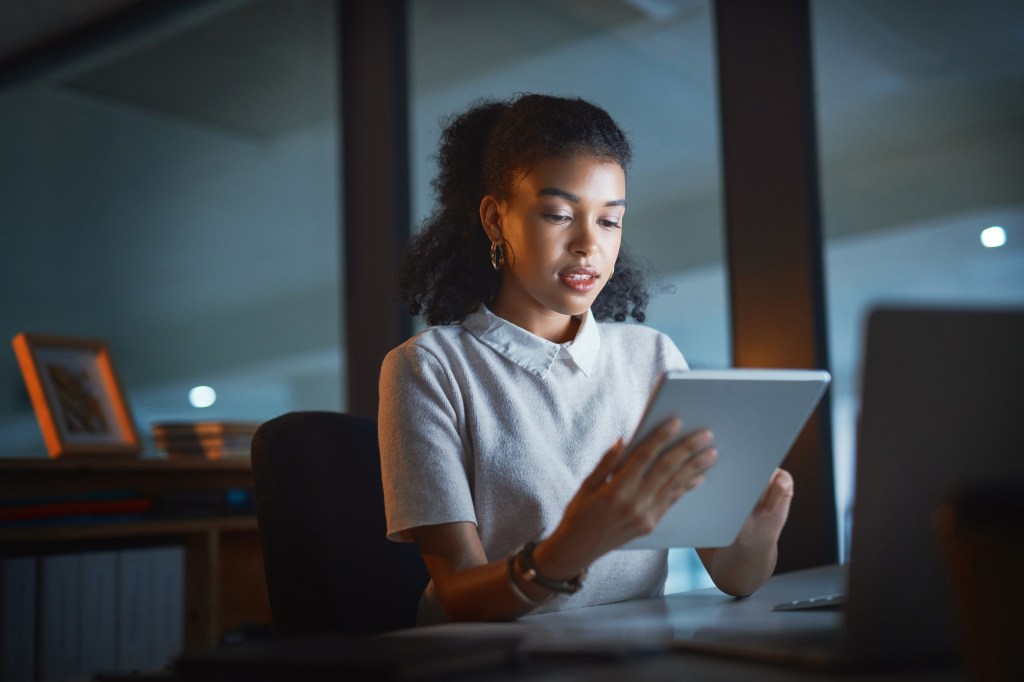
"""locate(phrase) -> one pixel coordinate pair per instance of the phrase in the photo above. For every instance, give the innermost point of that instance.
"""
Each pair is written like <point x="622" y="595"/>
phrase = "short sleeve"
<point x="671" y="357"/>
<point x="424" y="463"/>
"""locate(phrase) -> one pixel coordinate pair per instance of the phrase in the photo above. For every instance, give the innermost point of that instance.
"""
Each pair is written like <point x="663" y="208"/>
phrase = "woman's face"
<point x="561" y="226"/>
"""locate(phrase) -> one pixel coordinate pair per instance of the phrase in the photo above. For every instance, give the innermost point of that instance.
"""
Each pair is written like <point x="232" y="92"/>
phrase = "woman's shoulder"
<point x="433" y="342"/>
<point x="631" y="332"/>
<point x="438" y="335"/>
<point x="637" y="340"/>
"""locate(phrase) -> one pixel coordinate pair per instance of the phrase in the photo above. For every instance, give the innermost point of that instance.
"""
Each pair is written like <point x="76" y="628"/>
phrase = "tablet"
<point x="756" y="416"/>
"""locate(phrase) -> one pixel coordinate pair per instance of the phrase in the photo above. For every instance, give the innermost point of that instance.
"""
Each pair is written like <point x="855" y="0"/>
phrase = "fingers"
<point x="659" y="470"/>
<point x="778" y="492"/>
<point x="676" y="469"/>
<point x="681" y="453"/>
<point x="640" y="457"/>
<point x="606" y="466"/>
<point x="654" y="465"/>
<point x="648" y="449"/>
<point x="688" y="473"/>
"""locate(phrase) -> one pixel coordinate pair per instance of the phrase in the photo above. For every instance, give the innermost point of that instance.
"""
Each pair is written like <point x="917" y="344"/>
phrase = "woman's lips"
<point x="579" y="279"/>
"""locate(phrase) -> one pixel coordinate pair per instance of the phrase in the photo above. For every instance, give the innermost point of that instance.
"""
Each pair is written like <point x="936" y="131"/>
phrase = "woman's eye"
<point x="604" y="222"/>
<point x="557" y="218"/>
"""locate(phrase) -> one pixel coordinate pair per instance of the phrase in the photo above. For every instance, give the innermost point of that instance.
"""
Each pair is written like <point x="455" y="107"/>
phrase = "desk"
<point x="642" y="639"/>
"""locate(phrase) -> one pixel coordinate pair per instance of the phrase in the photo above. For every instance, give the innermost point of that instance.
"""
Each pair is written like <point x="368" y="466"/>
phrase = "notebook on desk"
<point x="941" y="407"/>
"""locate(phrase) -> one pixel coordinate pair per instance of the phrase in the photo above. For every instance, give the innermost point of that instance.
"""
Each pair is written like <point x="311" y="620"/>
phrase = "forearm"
<point x="740" y="569"/>
<point x="482" y="593"/>
<point x="469" y="586"/>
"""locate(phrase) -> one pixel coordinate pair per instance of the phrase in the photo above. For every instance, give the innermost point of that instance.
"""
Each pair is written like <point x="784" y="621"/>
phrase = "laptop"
<point x="942" y="399"/>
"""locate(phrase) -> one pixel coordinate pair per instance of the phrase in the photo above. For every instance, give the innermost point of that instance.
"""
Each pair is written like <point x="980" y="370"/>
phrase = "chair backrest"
<point x="320" y="508"/>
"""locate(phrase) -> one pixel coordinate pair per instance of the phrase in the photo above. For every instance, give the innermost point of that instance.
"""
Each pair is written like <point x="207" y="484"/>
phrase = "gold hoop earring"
<point x="497" y="255"/>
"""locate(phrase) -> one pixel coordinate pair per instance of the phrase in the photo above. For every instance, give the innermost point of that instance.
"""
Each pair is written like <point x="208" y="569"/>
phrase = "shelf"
<point x="28" y="478"/>
<point x="116" y="463"/>
<point x="225" y="586"/>
<point x="156" y="528"/>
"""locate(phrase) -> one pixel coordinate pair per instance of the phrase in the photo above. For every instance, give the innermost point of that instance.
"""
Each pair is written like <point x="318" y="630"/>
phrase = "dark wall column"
<point x="375" y="152"/>
<point x="773" y="230"/>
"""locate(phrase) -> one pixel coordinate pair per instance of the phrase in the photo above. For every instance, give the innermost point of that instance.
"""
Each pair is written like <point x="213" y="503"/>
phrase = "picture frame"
<point x="76" y="396"/>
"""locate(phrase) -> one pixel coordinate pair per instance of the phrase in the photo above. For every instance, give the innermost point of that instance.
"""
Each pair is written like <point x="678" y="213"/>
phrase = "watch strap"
<point x="522" y="561"/>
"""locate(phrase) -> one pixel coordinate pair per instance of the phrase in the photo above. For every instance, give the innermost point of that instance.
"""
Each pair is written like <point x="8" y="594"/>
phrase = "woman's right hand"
<point x="625" y="497"/>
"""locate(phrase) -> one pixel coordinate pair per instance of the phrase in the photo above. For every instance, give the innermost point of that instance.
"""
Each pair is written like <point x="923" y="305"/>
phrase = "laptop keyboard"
<point x="820" y="601"/>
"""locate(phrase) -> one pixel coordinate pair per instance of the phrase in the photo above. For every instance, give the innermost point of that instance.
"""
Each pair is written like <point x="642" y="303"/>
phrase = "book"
<point x="209" y="440"/>
<point x="135" y="611"/>
<point x="98" y="612"/>
<point x="236" y="440"/>
<point x="205" y="428"/>
<point x="59" y="648"/>
<point x="168" y="567"/>
<point x="211" y="451"/>
<point x="17" y="618"/>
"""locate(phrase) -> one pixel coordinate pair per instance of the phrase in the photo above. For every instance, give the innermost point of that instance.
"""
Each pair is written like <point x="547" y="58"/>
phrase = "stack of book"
<point x="204" y="440"/>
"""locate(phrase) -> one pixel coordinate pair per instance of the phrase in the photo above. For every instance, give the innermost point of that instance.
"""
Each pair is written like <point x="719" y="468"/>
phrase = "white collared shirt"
<point x="487" y="423"/>
<point x="531" y="352"/>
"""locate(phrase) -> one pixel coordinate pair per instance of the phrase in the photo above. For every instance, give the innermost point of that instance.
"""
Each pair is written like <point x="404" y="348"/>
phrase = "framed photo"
<point x="76" y="396"/>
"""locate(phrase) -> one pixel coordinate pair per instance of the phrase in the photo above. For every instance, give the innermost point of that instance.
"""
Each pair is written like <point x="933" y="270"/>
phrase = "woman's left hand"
<point x="749" y="561"/>
<point x="764" y="525"/>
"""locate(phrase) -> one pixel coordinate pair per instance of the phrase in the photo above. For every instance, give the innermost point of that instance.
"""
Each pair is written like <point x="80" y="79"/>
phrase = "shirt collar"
<point x="530" y="351"/>
<point x="585" y="347"/>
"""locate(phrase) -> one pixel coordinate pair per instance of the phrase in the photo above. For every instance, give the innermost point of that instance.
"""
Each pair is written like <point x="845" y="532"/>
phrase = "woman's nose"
<point x="584" y="241"/>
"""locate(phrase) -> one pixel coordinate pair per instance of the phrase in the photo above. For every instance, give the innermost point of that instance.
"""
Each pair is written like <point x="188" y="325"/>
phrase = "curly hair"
<point x="446" y="270"/>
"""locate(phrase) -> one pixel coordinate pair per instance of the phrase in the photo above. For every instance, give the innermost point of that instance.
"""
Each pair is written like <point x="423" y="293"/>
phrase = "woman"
<point x="502" y="427"/>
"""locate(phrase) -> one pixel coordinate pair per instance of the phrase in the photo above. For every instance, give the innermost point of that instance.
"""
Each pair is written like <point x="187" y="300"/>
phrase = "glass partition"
<point x="175" y="194"/>
<point x="921" y="125"/>
<point x="651" y="65"/>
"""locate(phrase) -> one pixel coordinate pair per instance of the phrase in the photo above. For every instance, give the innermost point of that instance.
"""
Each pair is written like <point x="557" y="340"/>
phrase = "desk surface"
<point x="674" y="635"/>
<point x="663" y="623"/>
<point x="649" y="639"/>
<point x="702" y="616"/>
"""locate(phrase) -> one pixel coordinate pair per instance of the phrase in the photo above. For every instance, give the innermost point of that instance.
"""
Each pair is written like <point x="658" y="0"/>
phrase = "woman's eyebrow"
<point x="569" y="196"/>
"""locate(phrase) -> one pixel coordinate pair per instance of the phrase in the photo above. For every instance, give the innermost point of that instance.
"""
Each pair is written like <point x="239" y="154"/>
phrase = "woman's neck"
<point x="547" y="324"/>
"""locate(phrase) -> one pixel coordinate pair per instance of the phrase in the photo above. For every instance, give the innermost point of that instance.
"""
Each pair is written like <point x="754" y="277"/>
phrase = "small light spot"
<point x="202" y="396"/>
<point x="993" y="237"/>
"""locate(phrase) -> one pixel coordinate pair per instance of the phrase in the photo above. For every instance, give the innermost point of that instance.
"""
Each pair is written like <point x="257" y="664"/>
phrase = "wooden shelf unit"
<point x="225" y="586"/>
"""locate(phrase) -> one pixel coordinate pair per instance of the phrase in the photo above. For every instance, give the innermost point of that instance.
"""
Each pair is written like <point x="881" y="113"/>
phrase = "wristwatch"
<point x="523" y="562"/>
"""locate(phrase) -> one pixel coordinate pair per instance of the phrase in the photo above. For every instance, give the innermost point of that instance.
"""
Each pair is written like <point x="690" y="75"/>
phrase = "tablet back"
<point x="756" y="415"/>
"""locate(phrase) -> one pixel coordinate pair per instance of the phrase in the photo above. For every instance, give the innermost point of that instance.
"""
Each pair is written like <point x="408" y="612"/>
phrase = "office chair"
<point x="320" y="509"/>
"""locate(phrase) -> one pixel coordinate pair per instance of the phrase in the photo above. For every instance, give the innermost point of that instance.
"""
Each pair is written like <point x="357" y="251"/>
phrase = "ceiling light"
<point x="993" y="237"/>
<point x="202" y="396"/>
